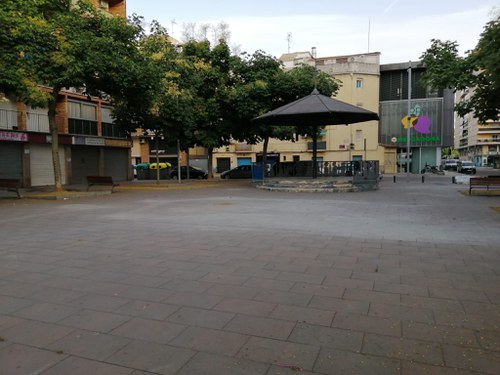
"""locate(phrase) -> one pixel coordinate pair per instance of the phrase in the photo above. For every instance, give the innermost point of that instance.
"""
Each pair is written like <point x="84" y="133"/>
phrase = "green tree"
<point x="52" y="45"/>
<point x="478" y="70"/>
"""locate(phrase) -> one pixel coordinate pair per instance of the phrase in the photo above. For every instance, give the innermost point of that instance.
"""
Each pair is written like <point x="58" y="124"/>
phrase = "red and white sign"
<point x="13" y="137"/>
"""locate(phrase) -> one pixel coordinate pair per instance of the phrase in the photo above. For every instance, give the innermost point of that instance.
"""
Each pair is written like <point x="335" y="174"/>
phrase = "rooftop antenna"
<point x="289" y="40"/>
<point x="369" y="30"/>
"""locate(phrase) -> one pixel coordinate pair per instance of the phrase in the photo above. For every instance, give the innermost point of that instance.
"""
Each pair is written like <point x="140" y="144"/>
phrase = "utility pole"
<point x="289" y="40"/>
<point x="408" y="125"/>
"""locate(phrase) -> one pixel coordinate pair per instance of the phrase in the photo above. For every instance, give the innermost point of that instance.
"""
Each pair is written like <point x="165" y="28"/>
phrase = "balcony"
<point x="8" y="119"/>
<point x="36" y="122"/>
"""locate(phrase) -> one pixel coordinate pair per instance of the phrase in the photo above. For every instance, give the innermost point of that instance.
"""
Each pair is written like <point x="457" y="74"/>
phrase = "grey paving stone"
<point x="275" y="296"/>
<point x="147" y="309"/>
<point x="327" y="337"/>
<point x="146" y="293"/>
<point x="33" y="333"/>
<point x="482" y="361"/>
<point x="301" y="277"/>
<point x="404" y="349"/>
<point x="338" y="304"/>
<point x="91" y="345"/>
<point x="210" y="340"/>
<point x="367" y="323"/>
<point x="149" y="330"/>
<point x="152" y="357"/>
<point x="349" y="283"/>
<point x="263" y="327"/>
<point x="9" y="304"/>
<point x="206" y="301"/>
<point x="81" y="366"/>
<point x="319" y="290"/>
<point x="413" y="368"/>
<point x="279" y="352"/>
<point x="303" y="315"/>
<point x="414" y="313"/>
<point x="21" y="360"/>
<point x="244" y="306"/>
<point x="57" y="295"/>
<point x="372" y="296"/>
<point x="201" y="317"/>
<point x="264" y="283"/>
<point x="46" y="312"/>
<point x="331" y="361"/>
<point x="95" y="320"/>
<point x="215" y="364"/>
<point x="9" y="321"/>
<point x="412" y="290"/>
<point x="441" y="334"/>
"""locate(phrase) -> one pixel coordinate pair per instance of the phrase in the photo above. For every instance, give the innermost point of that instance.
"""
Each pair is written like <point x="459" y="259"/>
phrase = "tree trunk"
<point x="54" y="133"/>
<point x="210" y="162"/>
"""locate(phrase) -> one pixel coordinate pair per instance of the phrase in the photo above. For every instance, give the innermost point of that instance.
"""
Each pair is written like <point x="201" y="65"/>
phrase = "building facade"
<point x="431" y="125"/>
<point x="89" y="142"/>
<point x="479" y="142"/>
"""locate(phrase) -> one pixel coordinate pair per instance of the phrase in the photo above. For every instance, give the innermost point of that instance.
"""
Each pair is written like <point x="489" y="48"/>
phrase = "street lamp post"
<point x="408" y="125"/>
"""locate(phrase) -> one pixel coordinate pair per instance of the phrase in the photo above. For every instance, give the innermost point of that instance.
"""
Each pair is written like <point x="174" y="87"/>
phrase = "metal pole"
<point x="408" y="125"/>
<point x="157" y="160"/>
<point x="179" y="161"/>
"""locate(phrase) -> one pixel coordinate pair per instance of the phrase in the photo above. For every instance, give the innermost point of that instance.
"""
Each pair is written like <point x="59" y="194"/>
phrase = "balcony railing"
<point x="8" y="119"/>
<point x="363" y="168"/>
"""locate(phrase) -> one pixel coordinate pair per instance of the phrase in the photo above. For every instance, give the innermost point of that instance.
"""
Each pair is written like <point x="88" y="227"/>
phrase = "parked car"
<point x="450" y="164"/>
<point x="193" y="173"/>
<point x="466" y="166"/>
<point x="241" y="171"/>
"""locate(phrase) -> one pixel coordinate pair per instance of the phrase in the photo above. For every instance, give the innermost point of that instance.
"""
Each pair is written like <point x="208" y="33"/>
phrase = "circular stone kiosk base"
<point x="319" y="185"/>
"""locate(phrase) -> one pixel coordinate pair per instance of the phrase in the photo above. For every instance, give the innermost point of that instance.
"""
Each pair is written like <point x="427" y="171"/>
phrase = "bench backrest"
<point x="484" y="180"/>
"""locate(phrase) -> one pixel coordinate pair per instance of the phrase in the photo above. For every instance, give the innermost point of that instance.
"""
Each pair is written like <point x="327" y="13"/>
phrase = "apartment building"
<point x="89" y="142"/>
<point x="359" y="74"/>
<point x="479" y="142"/>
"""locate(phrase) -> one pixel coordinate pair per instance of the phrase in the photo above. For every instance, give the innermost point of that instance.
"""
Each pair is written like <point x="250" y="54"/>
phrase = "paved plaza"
<point x="231" y="280"/>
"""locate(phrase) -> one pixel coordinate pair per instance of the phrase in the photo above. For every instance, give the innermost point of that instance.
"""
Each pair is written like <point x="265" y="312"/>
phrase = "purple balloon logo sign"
<point x="421" y="124"/>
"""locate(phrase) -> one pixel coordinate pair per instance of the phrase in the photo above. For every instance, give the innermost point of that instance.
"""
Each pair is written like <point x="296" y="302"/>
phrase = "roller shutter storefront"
<point x="84" y="162"/>
<point x="11" y="165"/>
<point x="116" y="163"/>
<point x="42" y="170"/>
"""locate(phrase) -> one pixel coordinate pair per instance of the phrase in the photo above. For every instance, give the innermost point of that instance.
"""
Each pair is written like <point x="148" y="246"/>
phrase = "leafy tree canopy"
<point x="479" y="71"/>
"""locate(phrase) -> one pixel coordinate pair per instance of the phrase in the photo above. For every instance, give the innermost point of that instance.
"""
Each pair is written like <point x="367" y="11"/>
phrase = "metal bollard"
<point x="423" y="178"/>
<point x="394" y="179"/>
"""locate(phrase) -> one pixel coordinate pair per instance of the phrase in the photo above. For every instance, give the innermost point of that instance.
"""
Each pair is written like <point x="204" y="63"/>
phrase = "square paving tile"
<point x="91" y="345"/>
<point x="215" y="364"/>
<point x="279" y="352"/>
<point x="34" y="333"/>
<point x="81" y="366"/>
<point x="152" y="357"/>
<point x="201" y="317"/>
<point x="21" y="360"/>
<point x="95" y="320"/>
<point x="210" y="340"/>
<point x="149" y="330"/>
<point x="263" y="327"/>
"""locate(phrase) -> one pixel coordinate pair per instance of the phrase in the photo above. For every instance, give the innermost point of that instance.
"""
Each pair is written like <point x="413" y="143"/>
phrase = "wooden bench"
<point x="11" y="184"/>
<point x="100" y="180"/>
<point x="484" y="182"/>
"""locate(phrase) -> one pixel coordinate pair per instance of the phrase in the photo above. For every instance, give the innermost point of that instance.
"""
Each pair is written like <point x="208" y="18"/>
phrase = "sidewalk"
<point x="228" y="279"/>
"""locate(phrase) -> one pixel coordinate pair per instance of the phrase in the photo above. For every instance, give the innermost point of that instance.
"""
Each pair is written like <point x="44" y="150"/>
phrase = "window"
<point x="359" y="83"/>
<point x="82" y="118"/>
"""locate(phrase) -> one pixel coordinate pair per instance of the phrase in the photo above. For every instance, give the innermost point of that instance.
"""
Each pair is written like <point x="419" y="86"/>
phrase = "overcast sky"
<point x="400" y="29"/>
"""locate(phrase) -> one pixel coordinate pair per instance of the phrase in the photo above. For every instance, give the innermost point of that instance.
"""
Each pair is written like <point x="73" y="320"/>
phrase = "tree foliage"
<point x="51" y="45"/>
<point x="479" y="71"/>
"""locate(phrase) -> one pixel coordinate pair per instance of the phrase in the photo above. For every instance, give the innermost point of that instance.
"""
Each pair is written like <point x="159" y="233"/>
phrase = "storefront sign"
<point x="13" y="137"/>
<point x="84" y="141"/>
<point x="118" y="143"/>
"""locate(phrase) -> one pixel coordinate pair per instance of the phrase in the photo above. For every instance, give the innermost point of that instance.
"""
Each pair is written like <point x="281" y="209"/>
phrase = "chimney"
<point x="313" y="52"/>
